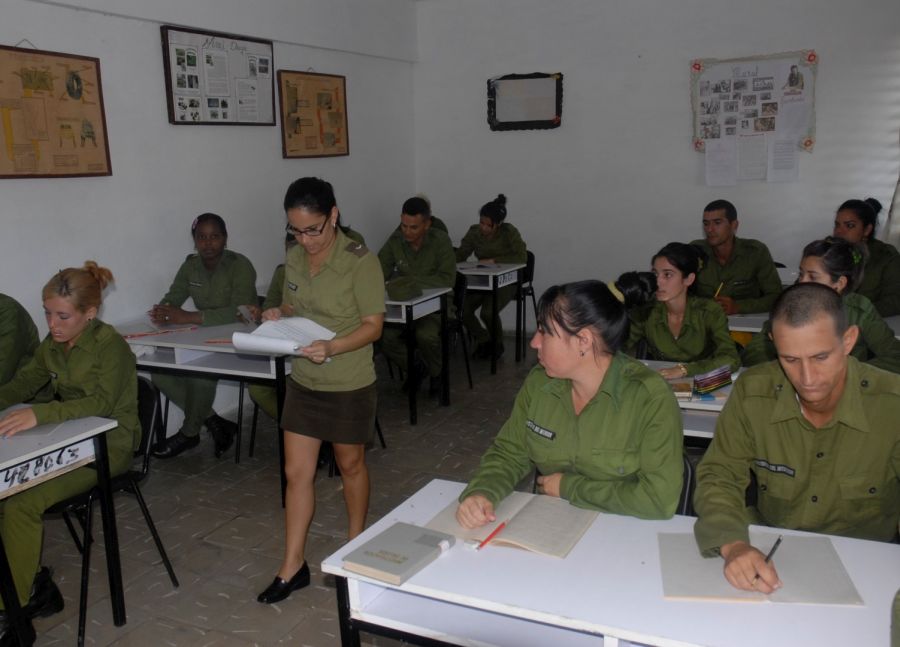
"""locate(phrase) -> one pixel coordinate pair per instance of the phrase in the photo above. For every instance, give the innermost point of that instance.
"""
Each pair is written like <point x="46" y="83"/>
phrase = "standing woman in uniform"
<point x="337" y="283"/>
<point x="218" y="280"/>
<point x="492" y="241"/>
<point x="91" y="371"/>
<point x="680" y="327"/>
<point x="855" y="222"/>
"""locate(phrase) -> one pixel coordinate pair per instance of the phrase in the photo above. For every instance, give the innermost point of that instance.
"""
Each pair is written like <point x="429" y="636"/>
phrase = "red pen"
<point x="491" y="536"/>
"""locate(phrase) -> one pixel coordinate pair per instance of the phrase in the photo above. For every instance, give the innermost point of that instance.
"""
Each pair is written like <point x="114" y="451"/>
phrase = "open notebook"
<point x="542" y="524"/>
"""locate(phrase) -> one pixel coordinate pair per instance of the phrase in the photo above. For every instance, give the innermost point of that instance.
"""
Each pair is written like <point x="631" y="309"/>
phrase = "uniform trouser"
<point x="193" y="395"/>
<point x="266" y="397"/>
<point x="483" y="300"/>
<point x="428" y="341"/>
<point x="21" y="517"/>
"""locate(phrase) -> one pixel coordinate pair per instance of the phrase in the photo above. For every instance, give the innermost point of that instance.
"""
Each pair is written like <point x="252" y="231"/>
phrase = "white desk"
<point x="608" y="588"/>
<point x="752" y="323"/>
<point x="493" y="277"/>
<point x="787" y="275"/>
<point x="894" y="324"/>
<point x="191" y="351"/>
<point x="406" y="313"/>
<point x="44" y="452"/>
<point x="699" y="424"/>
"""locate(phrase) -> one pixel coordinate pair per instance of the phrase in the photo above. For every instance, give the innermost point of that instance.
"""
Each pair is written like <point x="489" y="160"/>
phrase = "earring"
<point x="582" y="353"/>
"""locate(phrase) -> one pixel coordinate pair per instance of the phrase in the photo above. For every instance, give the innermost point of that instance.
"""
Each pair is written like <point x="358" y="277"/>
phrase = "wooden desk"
<point x="493" y="277"/>
<point x="44" y="452"/>
<point x="607" y="589"/>
<point x="406" y="313"/>
<point x="190" y="351"/>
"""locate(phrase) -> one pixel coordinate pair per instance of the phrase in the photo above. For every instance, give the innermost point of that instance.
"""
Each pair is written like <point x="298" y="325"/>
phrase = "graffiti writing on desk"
<point x="40" y="465"/>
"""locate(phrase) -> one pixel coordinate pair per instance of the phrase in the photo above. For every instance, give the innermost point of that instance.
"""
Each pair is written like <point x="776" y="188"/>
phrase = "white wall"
<point x="619" y="179"/>
<point x="137" y="221"/>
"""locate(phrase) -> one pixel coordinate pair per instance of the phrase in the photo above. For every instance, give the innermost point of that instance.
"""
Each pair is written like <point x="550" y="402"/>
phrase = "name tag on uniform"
<point x="194" y="284"/>
<point x="772" y="467"/>
<point x="292" y="286"/>
<point x="736" y="283"/>
<point x="540" y="431"/>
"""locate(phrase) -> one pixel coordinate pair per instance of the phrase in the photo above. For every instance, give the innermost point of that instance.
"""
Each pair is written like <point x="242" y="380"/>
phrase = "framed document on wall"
<point x="215" y="78"/>
<point x="525" y="101"/>
<point x="52" y="122"/>
<point x="313" y="114"/>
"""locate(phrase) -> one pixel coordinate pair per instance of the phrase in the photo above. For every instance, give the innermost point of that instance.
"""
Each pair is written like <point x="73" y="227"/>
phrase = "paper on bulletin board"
<point x="721" y="162"/>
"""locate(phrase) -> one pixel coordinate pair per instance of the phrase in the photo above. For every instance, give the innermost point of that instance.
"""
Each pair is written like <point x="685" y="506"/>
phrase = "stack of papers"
<point x="714" y="379"/>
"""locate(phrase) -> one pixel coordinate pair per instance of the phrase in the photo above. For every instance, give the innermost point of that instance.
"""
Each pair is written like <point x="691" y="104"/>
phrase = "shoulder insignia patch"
<point x="357" y="249"/>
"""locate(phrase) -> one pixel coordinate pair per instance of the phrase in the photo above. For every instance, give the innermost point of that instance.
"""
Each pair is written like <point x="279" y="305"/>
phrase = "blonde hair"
<point x="82" y="286"/>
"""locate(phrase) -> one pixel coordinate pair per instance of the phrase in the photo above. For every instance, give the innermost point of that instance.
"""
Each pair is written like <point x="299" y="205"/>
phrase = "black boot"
<point x="174" y="445"/>
<point x="45" y="597"/>
<point x="222" y="431"/>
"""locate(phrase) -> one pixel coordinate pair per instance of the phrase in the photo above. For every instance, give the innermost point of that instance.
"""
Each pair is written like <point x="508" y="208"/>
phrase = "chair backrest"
<point x="529" y="268"/>
<point x="459" y="293"/>
<point x="689" y="483"/>
<point x="149" y="413"/>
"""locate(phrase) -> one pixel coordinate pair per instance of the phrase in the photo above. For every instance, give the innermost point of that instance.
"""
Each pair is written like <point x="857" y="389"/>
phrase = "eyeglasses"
<point x="311" y="232"/>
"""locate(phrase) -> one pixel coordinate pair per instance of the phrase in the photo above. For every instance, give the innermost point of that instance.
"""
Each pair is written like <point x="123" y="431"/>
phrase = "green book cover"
<point x="398" y="553"/>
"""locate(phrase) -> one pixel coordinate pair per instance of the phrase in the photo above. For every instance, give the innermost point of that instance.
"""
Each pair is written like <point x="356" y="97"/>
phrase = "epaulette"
<point x="357" y="249"/>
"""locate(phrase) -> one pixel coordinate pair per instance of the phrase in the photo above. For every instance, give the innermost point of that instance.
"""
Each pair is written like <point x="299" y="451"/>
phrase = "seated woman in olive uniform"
<point x="839" y="265"/>
<point x="680" y="327"/>
<point x="91" y="371"/>
<point x="603" y="430"/>
<point x="855" y="222"/>
<point x="219" y="281"/>
<point x="18" y="337"/>
<point x="492" y="241"/>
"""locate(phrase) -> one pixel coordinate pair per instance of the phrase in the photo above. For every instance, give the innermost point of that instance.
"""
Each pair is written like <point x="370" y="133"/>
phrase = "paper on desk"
<point x="281" y="337"/>
<point x="809" y="567"/>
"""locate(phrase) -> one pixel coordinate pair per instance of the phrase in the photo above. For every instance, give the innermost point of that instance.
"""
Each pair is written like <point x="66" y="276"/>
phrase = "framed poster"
<point x="313" y="114"/>
<point x="215" y="78"/>
<point x="52" y="122"/>
<point x="525" y="101"/>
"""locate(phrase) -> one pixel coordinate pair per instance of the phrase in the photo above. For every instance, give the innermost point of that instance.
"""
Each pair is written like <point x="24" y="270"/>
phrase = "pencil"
<point x="719" y="289"/>
<point x="151" y="333"/>
<point x="491" y="536"/>
<point x="770" y="554"/>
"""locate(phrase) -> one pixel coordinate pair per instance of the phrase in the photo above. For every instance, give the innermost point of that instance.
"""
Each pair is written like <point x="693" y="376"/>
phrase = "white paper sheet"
<point x="721" y="162"/>
<point x="783" y="162"/>
<point x="752" y="161"/>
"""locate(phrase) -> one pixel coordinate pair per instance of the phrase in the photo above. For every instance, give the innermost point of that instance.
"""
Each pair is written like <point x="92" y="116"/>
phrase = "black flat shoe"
<point x="222" y="431"/>
<point x="45" y="597"/>
<point x="174" y="445"/>
<point x="279" y="589"/>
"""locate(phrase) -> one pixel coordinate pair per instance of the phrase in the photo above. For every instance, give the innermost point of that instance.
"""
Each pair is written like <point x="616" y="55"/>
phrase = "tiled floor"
<point x="222" y="526"/>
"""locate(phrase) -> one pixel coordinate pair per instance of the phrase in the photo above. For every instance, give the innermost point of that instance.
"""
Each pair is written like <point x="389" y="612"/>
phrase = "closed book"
<point x="398" y="553"/>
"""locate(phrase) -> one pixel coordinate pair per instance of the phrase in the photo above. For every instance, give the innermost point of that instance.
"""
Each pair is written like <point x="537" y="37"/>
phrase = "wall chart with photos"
<point x="752" y="115"/>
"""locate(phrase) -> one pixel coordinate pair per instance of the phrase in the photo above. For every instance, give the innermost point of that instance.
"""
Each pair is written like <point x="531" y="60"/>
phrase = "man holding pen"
<point x="740" y="274"/>
<point x="818" y="431"/>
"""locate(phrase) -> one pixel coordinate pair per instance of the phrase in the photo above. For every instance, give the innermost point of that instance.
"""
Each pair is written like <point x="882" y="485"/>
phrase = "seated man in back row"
<point x="740" y="274"/>
<point x="819" y="431"/>
<point x="417" y="256"/>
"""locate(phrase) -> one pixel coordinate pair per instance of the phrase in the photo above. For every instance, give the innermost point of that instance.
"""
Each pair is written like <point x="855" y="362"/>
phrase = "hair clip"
<point x="857" y="257"/>
<point x="616" y="292"/>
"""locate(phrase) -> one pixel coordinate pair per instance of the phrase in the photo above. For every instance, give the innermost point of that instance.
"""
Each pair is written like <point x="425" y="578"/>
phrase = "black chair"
<point x="526" y="289"/>
<point x="81" y="505"/>
<point x="456" y="329"/>
<point x="689" y="484"/>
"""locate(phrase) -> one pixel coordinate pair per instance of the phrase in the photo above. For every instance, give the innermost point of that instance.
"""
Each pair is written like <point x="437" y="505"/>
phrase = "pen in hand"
<point x="719" y="289"/>
<point x="770" y="554"/>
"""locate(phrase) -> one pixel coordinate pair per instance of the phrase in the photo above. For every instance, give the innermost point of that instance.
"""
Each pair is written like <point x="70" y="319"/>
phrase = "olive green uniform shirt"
<point x="842" y="479"/>
<point x="348" y="287"/>
<point x="432" y="266"/>
<point x="749" y="276"/>
<point x="702" y="345"/>
<point x="505" y="246"/>
<point x="622" y="454"/>
<point x="97" y="377"/>
<point x="876" y="344"/>
<point x="881" y="278"/>
<point x="218" y="293"/>
<point x="18" y="337"/>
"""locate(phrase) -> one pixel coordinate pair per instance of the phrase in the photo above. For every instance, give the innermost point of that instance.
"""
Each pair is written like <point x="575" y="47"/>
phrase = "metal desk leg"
<point x="110" y="534"/>
<point x="349" y="634"/>
<point x="240" y="424"/>
<point x="280" y="386"/>
<point x="445" y="354"/>
<point x="520" y="323"/>
<point x="19" y="623"/>
<point x="413" y="387"/>
<point x="495" y="323"/>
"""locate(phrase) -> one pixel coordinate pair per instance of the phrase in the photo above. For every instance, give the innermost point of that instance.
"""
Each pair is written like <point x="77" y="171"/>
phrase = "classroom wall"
<point x="619" y="179"/>
<point x="137" y="221"/>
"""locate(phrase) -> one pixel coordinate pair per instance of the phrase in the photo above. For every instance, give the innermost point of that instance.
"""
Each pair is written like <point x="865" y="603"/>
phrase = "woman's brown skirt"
<point x="346" y="417"/>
